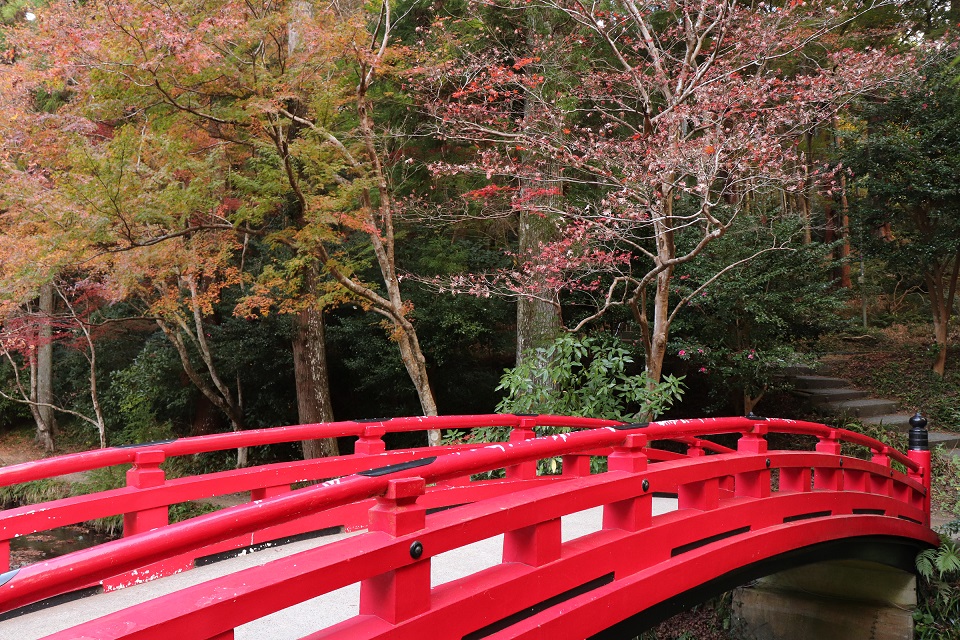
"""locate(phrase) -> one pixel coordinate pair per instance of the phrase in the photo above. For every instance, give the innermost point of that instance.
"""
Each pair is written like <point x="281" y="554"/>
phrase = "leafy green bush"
<point x="938" y="601"/>
<point x="586" y="376"/>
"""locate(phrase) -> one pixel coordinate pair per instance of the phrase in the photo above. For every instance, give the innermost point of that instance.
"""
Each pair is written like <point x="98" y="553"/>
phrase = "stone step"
<point x="819" y="382"/>
<point x="819" y="396"/>
<point x="893" y="421"/>
<point x="862" y="408"/>
<point x="949" y="441"/>
<point x="795" y="370"/>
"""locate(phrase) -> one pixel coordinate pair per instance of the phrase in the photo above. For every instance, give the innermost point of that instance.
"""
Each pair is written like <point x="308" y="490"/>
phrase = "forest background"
<point x="234" y="214"/>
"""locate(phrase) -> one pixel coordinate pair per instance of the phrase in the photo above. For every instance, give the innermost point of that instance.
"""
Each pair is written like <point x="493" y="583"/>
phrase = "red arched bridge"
<point x="737" y="514"/>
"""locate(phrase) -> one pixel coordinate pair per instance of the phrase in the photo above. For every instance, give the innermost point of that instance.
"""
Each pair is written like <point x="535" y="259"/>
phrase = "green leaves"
<point x="938" y="607"/>
<point x="943" y="560"/>
<point x="586" y="376"/>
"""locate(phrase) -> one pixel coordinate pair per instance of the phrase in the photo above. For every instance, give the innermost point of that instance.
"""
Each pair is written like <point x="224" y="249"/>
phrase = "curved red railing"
<point x="363" y="429"/>
<point x="698" y="483"/>
<point x="730" y="515"/>
<point x="144" y="501"/>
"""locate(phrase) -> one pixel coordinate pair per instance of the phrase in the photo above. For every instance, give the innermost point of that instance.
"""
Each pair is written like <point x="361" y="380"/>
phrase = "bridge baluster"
<point x="262" y="493"/>
<point x="146" y="473"/>
<point x="403" y="592"/>
<point x="827" y="477"/>
<point x="920" y="453"/>
<point x="795" y="479"/>
<point x="524" y="470"/>
<point x="876" y="483"/>
<point x="633" y="513"/>
<point x="575" y="465"/>
<point x="855" y="480"/>
<point x="535" y="545"/>
<point x="371" y="440"/>
<point x="753" y="484"/>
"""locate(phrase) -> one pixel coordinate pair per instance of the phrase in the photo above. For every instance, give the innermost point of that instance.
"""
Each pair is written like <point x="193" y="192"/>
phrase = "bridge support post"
<point x="575" y="466"/>
<point x="920" y="453"/>
<point x="849" y="599"/>
<point x="753" y="484"/>
<point x="632" y="514"/>
<point x="403" y="592"/>
<point x="146" y="472"/>
<point x="371" y="441"/>
<point x="830" y="479"/>
<point x="535" y="545"/>
<point x="525" y="470"/>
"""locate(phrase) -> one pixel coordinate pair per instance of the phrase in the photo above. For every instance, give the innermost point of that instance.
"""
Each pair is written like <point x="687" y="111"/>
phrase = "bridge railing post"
<point x="633" y="513"/>
<point x="524" y="431"/>
<point x="371" y="441"/>
<point x="919" y="452"/>
<point x="753" y="484"/>
<point x="795" y="479"/>
<point x="696" y="450"/>
<point x="575" y="465"/>
<point x="876" y="483"/>
<point x="829" y="478"/>
<point x="262" y="493"/>
<point x="404" y="592"/>
<point x="146" y="473"/>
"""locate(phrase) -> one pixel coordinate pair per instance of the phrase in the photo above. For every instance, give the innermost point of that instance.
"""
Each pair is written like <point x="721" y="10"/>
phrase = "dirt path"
<point x="17" y="447"/>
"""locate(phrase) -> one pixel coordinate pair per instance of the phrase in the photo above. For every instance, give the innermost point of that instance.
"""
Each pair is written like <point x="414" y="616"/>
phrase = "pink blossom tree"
<point x="666" y="121"/>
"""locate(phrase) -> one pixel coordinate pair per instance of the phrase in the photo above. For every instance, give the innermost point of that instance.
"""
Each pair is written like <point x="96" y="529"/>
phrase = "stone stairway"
<point x="831" y="396"/>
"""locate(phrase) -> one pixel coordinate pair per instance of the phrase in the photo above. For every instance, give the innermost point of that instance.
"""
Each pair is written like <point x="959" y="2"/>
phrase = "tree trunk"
<point x="45" y="424"/>
<point x="206" y="419"/>
<point x="845" y="280"/>
<point x="661" y="328"/>
<point x="412" y="356"/>
<point x="942" y="286"/>
<point x="804" y="195"/>
<point x="656" y="344"/>
<point x="538" y="319"/>
<point x="313" y="380"/>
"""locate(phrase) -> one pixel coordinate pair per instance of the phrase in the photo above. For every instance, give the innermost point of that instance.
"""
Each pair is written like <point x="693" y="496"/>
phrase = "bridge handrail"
<point x="24" y="520"/>
<point x="294" y="579"/>
<point x="689" y="427"/>
<point x="111" y="456"/>
<point x="80" y="568"/>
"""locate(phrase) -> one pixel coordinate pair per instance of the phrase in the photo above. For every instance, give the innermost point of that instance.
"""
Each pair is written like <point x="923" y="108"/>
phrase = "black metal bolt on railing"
<point x="918" y="433"/>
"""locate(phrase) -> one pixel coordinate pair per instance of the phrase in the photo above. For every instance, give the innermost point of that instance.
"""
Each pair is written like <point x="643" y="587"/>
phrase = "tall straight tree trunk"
<point x="313" y="379"/>
<point x="942" y="286"/>
<point x="538" y="320"/>
<point x="45" y="421"/>
<point x="804" y="195"/>
<point x="656" y="345"/>
<point x="845" y="280"/>
<point x="312" y="383"/>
